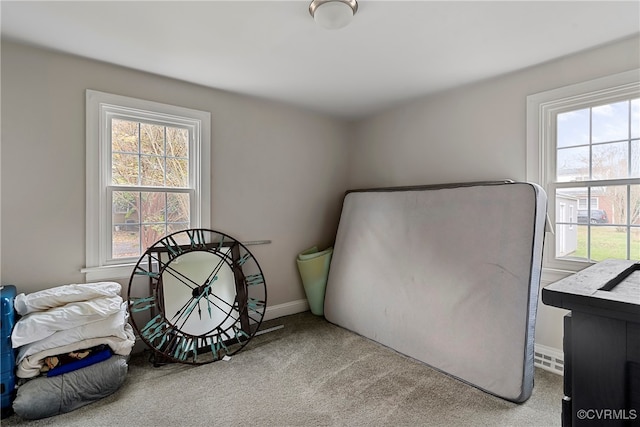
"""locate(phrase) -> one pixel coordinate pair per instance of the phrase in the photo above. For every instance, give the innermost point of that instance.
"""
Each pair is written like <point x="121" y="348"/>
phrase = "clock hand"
<point x="186" y="308"/>
<point x="180" y="277"/>
<point x="219" y="300"/>
<point x="189" y="309"/>
<point x="215" y="271"/>
<point x="197" y="295"/>
<point x="206" y="294"/>
<point x="206" y="290"/>
<point x="182" y="308"/>
<point x="207" y="287"/>
<point x="227" y="312"/>
<point x="175" y="273"/>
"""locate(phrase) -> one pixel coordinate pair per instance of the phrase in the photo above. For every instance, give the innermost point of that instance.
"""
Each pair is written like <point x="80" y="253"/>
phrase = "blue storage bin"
<point x="7" y="386"/>
<point x="7" y="354"/>
<point x="8" y="362"/>
<point x="5" y="343"/>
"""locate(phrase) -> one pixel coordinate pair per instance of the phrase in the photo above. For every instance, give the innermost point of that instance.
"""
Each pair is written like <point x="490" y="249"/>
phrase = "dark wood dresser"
<point x="601" y="344"/>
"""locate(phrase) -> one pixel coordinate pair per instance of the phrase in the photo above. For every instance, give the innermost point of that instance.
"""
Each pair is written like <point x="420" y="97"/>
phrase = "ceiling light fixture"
<point x="333" y="14"/>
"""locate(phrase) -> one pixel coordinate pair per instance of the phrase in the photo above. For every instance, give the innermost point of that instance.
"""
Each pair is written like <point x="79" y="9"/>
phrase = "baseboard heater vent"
<point x="549" y="359"/>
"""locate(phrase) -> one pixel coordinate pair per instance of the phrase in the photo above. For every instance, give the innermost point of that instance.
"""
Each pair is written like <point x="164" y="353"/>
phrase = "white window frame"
<point x="100" y="106"/>
<point x="542" y="108"/>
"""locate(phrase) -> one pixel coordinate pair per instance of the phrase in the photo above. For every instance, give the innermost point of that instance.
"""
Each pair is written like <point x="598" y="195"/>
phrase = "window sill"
<point x="551" y="275"/>
<point x="108" y="272"/>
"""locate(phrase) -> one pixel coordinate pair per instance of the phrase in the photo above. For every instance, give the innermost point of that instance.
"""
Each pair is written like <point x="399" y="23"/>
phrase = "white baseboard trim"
<point x="549" y="358"/>
<point x="286" y="309"/>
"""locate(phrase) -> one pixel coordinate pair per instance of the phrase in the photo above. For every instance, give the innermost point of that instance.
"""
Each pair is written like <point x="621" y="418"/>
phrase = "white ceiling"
<point x="392" y="51"/>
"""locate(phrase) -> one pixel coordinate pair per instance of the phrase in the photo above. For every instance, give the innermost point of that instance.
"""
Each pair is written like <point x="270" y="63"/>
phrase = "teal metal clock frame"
<point x="219" y="291"/>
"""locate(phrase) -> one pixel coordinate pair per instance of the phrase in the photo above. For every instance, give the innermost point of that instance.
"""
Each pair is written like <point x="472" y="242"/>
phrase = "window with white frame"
<point x="147" y="176"/>
<point x="583" y="147"/>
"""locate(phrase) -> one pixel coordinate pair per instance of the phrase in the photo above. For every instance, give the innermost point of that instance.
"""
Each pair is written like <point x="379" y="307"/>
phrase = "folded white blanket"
<point x="30" y="366"/>
<point x="61" y="295"/>
<point x="39" y="325"/>
<point x="113" y="325"/>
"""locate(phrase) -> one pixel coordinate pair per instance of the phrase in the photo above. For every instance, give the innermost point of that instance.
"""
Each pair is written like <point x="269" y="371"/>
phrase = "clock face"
<point x="196" y="296"/>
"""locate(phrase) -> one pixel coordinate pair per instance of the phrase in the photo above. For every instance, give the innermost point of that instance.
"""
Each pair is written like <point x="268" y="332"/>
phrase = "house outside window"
<point x="147" y="176"/>
<point x="583" y="147"/>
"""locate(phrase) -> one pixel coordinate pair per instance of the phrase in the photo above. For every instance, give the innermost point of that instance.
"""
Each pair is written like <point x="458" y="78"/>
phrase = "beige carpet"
<point x="309" y="373"/>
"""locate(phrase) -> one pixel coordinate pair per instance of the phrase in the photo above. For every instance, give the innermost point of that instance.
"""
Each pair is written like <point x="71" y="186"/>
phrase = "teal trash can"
<point x="313" y="266"/>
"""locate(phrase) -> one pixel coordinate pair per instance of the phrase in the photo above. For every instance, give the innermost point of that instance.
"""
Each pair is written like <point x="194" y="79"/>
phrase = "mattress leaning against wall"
<point x="448" y="275"/>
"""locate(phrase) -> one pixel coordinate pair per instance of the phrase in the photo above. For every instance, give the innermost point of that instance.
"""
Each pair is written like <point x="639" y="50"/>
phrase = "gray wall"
<point x="475" y="132"/>
<point x="278" y="172"/>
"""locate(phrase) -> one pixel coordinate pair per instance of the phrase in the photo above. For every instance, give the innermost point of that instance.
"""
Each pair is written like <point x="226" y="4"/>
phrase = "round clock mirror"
<point x="196" y="296"/>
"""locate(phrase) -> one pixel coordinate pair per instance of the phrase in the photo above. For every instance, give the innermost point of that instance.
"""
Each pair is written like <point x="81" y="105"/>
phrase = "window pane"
<point x="635" y="204"/>
<point x="151" y="233"/>
<point x="177" y="142"/>
<point x="635" y="243"/>
<point x="608" y="242"/>
<point x="126" y="224"/>
<point x="172" y="228"/>
<point x="635" y="118"/>
<point x="125" y="204"/>
<point x="126" y="242"/>
<point x="152" y="170"/>
<point x="177" y="172"/>
<point x="572" y="164"/>
<point x="597" y="197"/>
<point x="152" y="213"/>
<point x="566" y="205"/>
<point x="153" y="208"/>
<point x="571" y="242"/>
<point x="124" y="169"/>
<point x="635" y="159"/>
<point x="613" y="202"/>
<point x="152" y="139"/>
<point x="610" y="161"/>
<point x="124" y="136"/>
<point x="124" y="139"/>
<point x="566" y="240"/>
<point x="610" y="122"/>
<point x="178" y="208"/>
<point x="573" y="128"/>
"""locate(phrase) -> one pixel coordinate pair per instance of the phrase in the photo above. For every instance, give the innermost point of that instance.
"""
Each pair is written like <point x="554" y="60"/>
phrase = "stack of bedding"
<point x="72" y="345"/>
